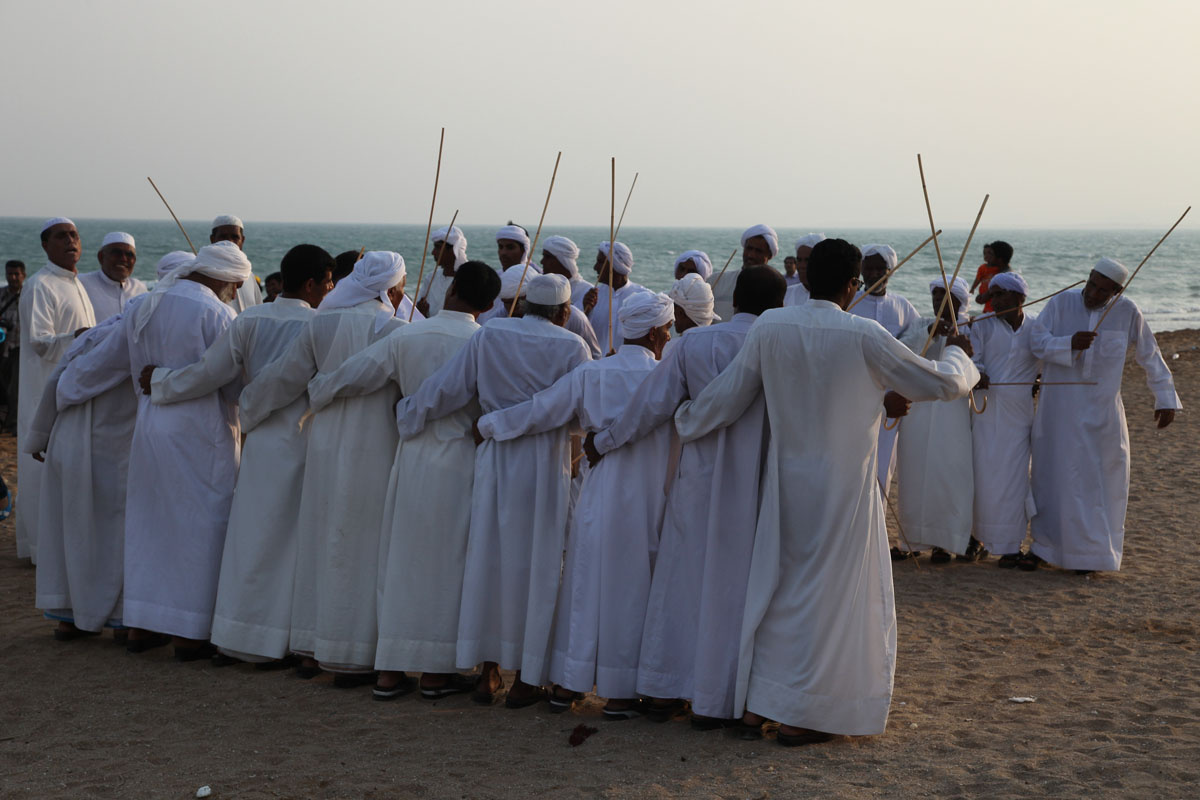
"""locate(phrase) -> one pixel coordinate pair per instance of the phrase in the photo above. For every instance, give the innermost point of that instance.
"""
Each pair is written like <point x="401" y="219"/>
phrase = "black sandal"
<point x="665" y="712"/>
<point x="939" y="556"/>
<point x="745" y="731"/>
<point x="904" y="555"/>
<point x="455" y="684"/>
<point x="1010" y="560"/>
<point x="801" y="739"/>
<point x="975" y="551"/>
<point x="1030" y="561"/>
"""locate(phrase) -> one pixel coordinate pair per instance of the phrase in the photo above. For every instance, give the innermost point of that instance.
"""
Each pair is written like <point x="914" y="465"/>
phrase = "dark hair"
<point x="833" y="264"/>
<point x="274" y="276"/>
<point x="46" y="235"/>
<point x="14" y="264"/>
<point x="344" y="264"/>
<point x="758" y="289"/>
<point x="1002" y="251"/>
<point x="477" y="285"/>
<point x="302" y="262"/>
<point x="540" y="310"/>
<point x="522" y="227"/>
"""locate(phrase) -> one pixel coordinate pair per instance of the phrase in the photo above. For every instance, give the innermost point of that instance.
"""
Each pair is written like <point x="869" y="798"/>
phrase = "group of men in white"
<point x="350" y="480"/>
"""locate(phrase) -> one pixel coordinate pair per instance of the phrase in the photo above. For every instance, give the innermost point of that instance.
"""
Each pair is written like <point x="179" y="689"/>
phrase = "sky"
<point x="800" y="115"/>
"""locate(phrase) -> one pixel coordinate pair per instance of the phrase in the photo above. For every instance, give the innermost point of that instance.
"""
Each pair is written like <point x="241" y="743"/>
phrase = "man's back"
<point x="518" y="357"/>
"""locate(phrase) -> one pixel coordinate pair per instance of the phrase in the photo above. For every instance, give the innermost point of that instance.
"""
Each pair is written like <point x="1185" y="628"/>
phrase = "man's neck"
<point x="1015" y="320"/>
<point x="70" y="268"/>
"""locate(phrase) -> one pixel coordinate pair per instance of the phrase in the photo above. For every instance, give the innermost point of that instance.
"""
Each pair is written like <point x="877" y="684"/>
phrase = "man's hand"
<point x="962" y="342"/>
<point x="984" y="382"/>
<point x="40" y="457"/>
<point x="144" y="378"/>
<point x="479" y="438"/>
<point x="896" y="405"/>
<point x="81" y="330"/>
<point x="1082" y="340"/>
<point x="423" y="307"/>
<point x="1164" y="416"/>
<point x="589" y="300"/>
<point x="589" y="448"/>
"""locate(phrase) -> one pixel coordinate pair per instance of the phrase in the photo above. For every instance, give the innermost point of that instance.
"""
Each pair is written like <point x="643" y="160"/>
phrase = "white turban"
<point x="457" y="240"/>
<point x="510" y="278"/>
<point x="622" y="258"/>
<point x="513" y="232"/>
<point x="50" y="223"/>
<point x="372" y="276"/>
<point x="888" y="254"/>
<point x="173" y="259"/>
<point x="566" y="251"/>
<point x="694" y="295"/>
<point x="223" y="261"/>
<point x="765" y="231"/>
<point x="810" y="240"/>
<point x="548" y="290"/>
<point x="643" y="311"/>
<point x="1009" y="282"/>
<point x="117" y="237"/>
<point x="227" y="219"/>
<point x="1110" y="268"/>
<point x="958" y="289"/>
<point x="700" y="259"/>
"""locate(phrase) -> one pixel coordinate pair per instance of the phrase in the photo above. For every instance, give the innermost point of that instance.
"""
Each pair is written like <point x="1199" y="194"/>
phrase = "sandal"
<point x="1010" y="560"/>
<point x="631" y="711"/>
<point x="200" y="651"/>
<point x="525" y="700"/>
<point x="406" y="685"/>
<point x="904" y="555"/>
<point x="800" y="739"/>
<point x="1029" y="562"/>
<point x="664" y="712"/>
<point x="561" y="699"/>
<point x="939" y="556"/>
<point x="455" y="684"/>
<point x="745" y="731"/>
<point x="147" y="643"/>
<point x="975" y="551"/>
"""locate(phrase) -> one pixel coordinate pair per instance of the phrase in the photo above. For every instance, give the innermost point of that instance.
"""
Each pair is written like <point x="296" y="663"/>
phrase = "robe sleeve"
<point x="443" y="392"/>
<point x="552" y="407"/>
<point x="1158" y="374"/>
<point x="38" y="437"/>
<point x="363" y="373"/>
<point x="96" y="371"/>
<point x="977" y="344"/>
<point x="278" y="383"/>
<point x="588" y="334"/>
<point x="222" y="363"/>
<point x="38" y="319"/>
<point x="1046" y="346"/>
<point x="652" y="404"/>
<point x="724" y="400"/>
<point x="894" y="365"/>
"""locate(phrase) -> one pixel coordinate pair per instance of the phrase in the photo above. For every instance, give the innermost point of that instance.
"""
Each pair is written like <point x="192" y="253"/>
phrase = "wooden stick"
<point x="429" y="226"/>
<point x="612" y="245"/>
<point x="957" y="268"/>
<point x="529" y="255"/>
<point x="626" y="206"/>
<point x="436" y="264"/>
<point x="177" y="222"/>
<point x="721" y="274"/>
<point x="938" y="248"/>
<point x="890" y="272"/>
<point x="1139" y="268"/>
<point x="1042" y="383"/>
<point x="900" y="529"/>
<point x="991" y="314"/>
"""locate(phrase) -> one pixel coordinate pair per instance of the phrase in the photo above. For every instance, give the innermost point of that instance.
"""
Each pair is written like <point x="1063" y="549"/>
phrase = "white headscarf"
<point x="958" y="288"/>
<point x="889" y="255"/>
<point x="566" y="251"/>
<point x="548" y="290"/>
<point x="1009" y="282"/>
<point x="372" y="276"/>
<point x="511" y="277"/>
<point x="695" y="296"/>
<point x="512" y="232"/>
<point x="622" y="258"/>
<point x="223" y="261"/>
<point x="117" y="237"/>
<point x="700" y="259"/>
<point x="643" y="311"/>
<point x="765" y="231"/>
<point x="173" y="259"/>
<point x="1110" y="268"/>
<point x="811" y="240"/>
<point x="457" y="240"/>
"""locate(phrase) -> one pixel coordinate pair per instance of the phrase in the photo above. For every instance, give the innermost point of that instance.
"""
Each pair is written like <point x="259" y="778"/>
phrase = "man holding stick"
<point x="449" y="250"/>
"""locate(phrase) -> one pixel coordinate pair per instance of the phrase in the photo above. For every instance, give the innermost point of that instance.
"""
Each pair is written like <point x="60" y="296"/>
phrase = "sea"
<point x="1166" y="289"/>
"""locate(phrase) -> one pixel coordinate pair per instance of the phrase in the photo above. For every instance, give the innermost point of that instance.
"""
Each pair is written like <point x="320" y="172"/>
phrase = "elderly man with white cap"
<point x="333" y="617"/>
<point x="183" y="460"/>
<point x="228" y="228"/>
<point x="519" y="500"/>
<point x="597" y="302"/>
<point x="1080" y="440"/>
<point x="694" y="611"/>
<point x="449" y="251"/>
<point x="614" y="534"/>
<point x="760" y="244"/>
<point x="251" y="621"/>
<point x="54" y="309"/>
<point x="113" y="285"/>
<point x="798" y="289"/>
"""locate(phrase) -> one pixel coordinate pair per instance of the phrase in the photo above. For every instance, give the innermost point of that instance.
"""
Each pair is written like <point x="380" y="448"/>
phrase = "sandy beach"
<point x="1111" y="660"/>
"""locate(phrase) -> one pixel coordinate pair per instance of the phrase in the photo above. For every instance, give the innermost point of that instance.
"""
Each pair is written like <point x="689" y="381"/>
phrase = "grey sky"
<point x="802" y="115"/>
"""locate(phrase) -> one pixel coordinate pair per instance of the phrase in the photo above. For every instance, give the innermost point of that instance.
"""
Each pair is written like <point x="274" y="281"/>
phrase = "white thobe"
<point x="1080" y="441"/>
<point x="81" y="521"/>
<point x="252" y="615"/>
<point x="895" y="314"/>
<point x="577" y="324"/>
<point x="53" y="306"/>
<point x="434" y="289"/>
<point x="183" y="463"/>
<point x="108" y="296"/>
<point x="579" y="288"/>
<point x="599" y="316"/>
<point x="792" y="279"/>
<point x="614" y="532"/>
<point x="796" y="295"/>
<point x="247" y="296"/>
<point x="423" y="547"/>
<point x="1000" y="436"/>
<point x="345" y="478"/>
<point x="818" y="646"/>
<point x="698" y="593"/>
<point x="519" y="498"/>
<point x="723" y="284"/>
<point x="934" y="462"/>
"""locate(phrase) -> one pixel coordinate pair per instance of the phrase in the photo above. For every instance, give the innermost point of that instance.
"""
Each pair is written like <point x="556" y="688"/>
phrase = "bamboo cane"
<point x="436" y="264"/>
<point x="957" y="268"/>
<point x="177" y="222"/>
<point x="938" y="249"/>
<point x="612" y="245"/>
<point x="891" y="271"/>
<point x="429" y="226"/>
<point x="991" y="314"/>
<point x="529" y="255"/>
<point x="1139" y="266"/>
<point x="1041" y="383"/>
<point x="720" y="275"/>
<point x="626" y="206"/>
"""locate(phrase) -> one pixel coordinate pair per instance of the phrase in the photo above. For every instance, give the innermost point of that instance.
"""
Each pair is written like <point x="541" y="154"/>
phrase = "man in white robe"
<point x="113" y="285"/>
<point x="693" y="261"/>
<point x="54" y="309"/>
<point x="1001" y="435"/>
<point x="614" y="533"/>
<point x="597" y="303"/>
<point x="693" y="300"/>
<point x="228" y="228"/>
<point x="760" y="244"/>
<point x="698" y="594"/>
<point x="560" y="256"/>
<point x="426" y="520"/>
<point x="252" y="614"/>
<point x="183" y="459"/>
<point x="519" y="499"/>
<point x="333" y="617"/>
<point x="797" y="293"/>
<point x="1080" y="441"/>
<point x="895" y="314"/>
<point x="449" y="252"/>
<point x="818" y="638"/>
<point x="933" y="449"/>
